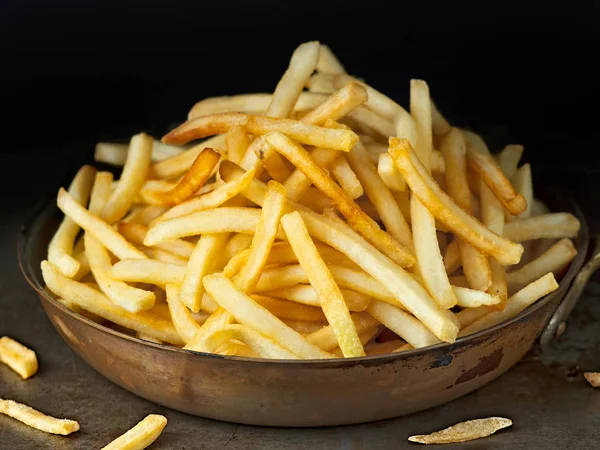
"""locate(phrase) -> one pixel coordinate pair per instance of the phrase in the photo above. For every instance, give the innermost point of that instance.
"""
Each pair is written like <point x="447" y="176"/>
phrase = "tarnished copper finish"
<point x="294" y="393"/>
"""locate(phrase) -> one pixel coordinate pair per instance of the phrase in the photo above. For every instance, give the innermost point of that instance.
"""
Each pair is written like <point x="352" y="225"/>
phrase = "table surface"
<point x="550" y="403"/>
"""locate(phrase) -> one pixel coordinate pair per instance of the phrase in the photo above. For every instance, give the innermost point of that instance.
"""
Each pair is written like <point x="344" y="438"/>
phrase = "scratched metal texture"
<point x="546" y="396"/>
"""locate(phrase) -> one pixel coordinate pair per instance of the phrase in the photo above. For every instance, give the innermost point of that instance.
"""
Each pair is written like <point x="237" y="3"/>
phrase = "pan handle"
<point x="572" y="296"/>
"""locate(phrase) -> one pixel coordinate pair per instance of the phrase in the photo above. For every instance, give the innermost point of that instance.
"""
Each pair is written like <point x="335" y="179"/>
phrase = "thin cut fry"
<point x="235" y="245"/>
<point x="452" y="261"/>
<point x="439" y="124"/>
<point x="98" y="228"/>
<point x="237" y="143"/>
<point x="472" y="298"/>
<point x="247" y="312"/>
<point x="148" y="271"/>
<point x="136" y="233"/>
<point x="545" y="226"/>
<point x="284" y="309"/>
<point x="515" y="304"/>
<point x="509" y="158"/>
<point x="116" y="154"/>
<point x="263" y="238"/>
<point x="325" y="337"/>
<point x="60" y="249"/>
<point x="140" y="436"/>
<point x="328" y="62"/>
<point x="370" y="122"/>
<point x="18" y="357"/>
<point x="194" y="179"/>
<point x="552" y="260"/>
<point x="307" y="295"/>
<point x="524" y="186"/>
<point x="262" y="345"/>
<point x="464" y="431"/>
<point x="442" y="207"/>
<point x="132" y="178"/>
<point x="346" y="177"/>
<point x="184" y="322"/>
<point x="36" y="419"/>
<point x="364" y="224"/>
<point x="320" y="278"/>
<point x="389" y="174"/>
<point x="341" y="139"/>
<point x="489" y="171"/>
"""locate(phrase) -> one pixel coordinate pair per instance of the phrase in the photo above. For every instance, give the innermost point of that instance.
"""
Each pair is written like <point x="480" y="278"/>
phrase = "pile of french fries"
<point x="311" y="220"/>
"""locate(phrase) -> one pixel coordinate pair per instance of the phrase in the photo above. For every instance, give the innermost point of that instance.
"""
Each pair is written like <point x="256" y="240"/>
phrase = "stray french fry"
<point x="60" y="250"/>
<point x="545" y="226"/>
<point x="593" y="378"/>
<point x="442" y="206"/>
<point x="464" y="431"/>
<point x="18" y="357"/>
<point x="552" y="260"/>
<point x="140" y="436"/>
<point x="36" y="419"/>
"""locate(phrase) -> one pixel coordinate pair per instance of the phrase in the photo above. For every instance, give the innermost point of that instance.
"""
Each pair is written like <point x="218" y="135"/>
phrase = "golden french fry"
<point x="95" y="302"/>
<point x="524" y="186"/>
<point x="320" y="278"/>
<point x="140" y="436"/>
<point x="364" y="337"/>
<point x="389" y="174"/>
<point x="184" y="322"/>
<point x="301" y="159"/>
<point x="304" y="327"/>
<point x="326" y="339"/>
<point x="442" y="207"/>
<point x="162" y="255"/>
<point x="464" y="431"/>
<point x="237" y="143"/>
<point x="398" y="282"/>
<point x="199" y="172"/>
<point x="545" y="226"/>
<point x="469" y="315"/>
<point x="486" y="167"/>
<point x="439" y="124"/>
<point x="427" y="250"/>
<point x="178" y="165"/>
<point x="136" y="233"/>
<point x="247" y="312"/>
<point x="235" y="245"/>
<point x="307" y="295"/>
<point x="452" y="259"/>
<point x="116" y="154"/>
<point x="218" y="320"/>
<point x="372" y="123"/>
<point x="282" y="254"/>
<point x="150" y="271"/>
<point x="144" y="215"/>
<point x="593" y="378"/>
<point x="132" y="178"/>
<point x="262" y="345"/>
<point x="250" y="104"/>
<point x="475" y="264"/>
<point x="328" y="62"/>
<point x="515" y="304"/>
<point x="98" y="228"/>
<point x="509" y="158"/>
<point x="18" y="357"/>
<point x="552" y="260"/>
<point x="346" y="178"/>
<point x="321" y="83"/>
<point x="402" y="323"/>
<point x="36" y="419"/>
<point x="264" y="237"/>
<point x="298" y="184"/>
<point x="60" y="249"/>
<point x="338" y="105"/>
<point x="472" y="298"/>
<point x="341" y="139"/>
<point x="284" y="309"/>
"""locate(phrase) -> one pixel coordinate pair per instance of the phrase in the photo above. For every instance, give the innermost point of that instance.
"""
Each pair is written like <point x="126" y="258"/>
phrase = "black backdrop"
<point x="74" y="72"/>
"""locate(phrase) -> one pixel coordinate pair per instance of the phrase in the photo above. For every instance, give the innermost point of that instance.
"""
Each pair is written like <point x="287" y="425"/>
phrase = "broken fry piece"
<point x="464" y="431"/>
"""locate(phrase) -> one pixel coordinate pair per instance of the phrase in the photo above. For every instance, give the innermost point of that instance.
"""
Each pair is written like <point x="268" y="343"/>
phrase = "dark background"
<point x="75" y="72"/>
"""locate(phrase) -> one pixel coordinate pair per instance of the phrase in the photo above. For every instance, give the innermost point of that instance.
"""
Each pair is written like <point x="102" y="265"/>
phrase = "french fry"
<point x="472" y="298"/>
<point x="237" y="143"/>
<point x="235" y="245"/>
<point x="469" y="315"/>
<point x="439" y="125"/>
<point x="442" y="207"/>
<point x="307" y="295"/>
<point x="400" y="284"/>
<point x="464" y="431"/>
<point x="304" y="328"/>
<point x="116" y="154"/>
<point x="298" y="184"/>
<point x="95" y="302"/>
<point x="342" y="102"/>
<point x="321" y="83"/>
<point x="320" y="278"/>
<point x="346" y="177"/>
<point x="136" y="233"/>
<point x="98" y="228"/>
<point x="247" y="312"/>
<point x="36" y="419"/>
<point x="370" y="122"/>
<point x="427" y="250"/>
<point x="593" y="378"/>
<point x="545" y="226"/>
<point x="515" y="304"/>
<point x="552" y="260"/>
<point x="145" y="215"/>
<point x="475" y="264"/>
<point x="402" y="323"/>
<point x="162" y="255"/>
<point x="18" y="357"/>
<point x="509" y="158"/>
<point x="60" y="249"/>
<point x="134" y="173"/>
<point x="328" y="62"/>
<point x="184" y="322"/>
<point x="326" y="339"/>
<point x="218" y="320"/>
<point x="452" y="260"/>
<point x="199" y="172"/>
<point x="341" y="139"/>
<point x="282" y="254"/>
<point x="140" y="436"/>
<point x="389" y="174"/>
<point x="365" y="337"/>
<point x="264" y="237"/>
<point x="524" y="186"/>
<point x="301" y="159"/>
<point x="262" y="345"/>
<point x="250" y="104"/>
<point x="150" y="271"/>
<point x="178" y="165"/>
<point x="486" y="167"/>
<point x="284" y="309"/>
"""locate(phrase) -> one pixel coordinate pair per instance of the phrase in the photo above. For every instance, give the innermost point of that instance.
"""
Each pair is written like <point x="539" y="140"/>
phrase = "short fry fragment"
<point x="36" y="419"/>
<point x="593" y="378"/>
<point x="140" y="436"/>
<point x="464" y="431"/>
<point x="18" y="357"/>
